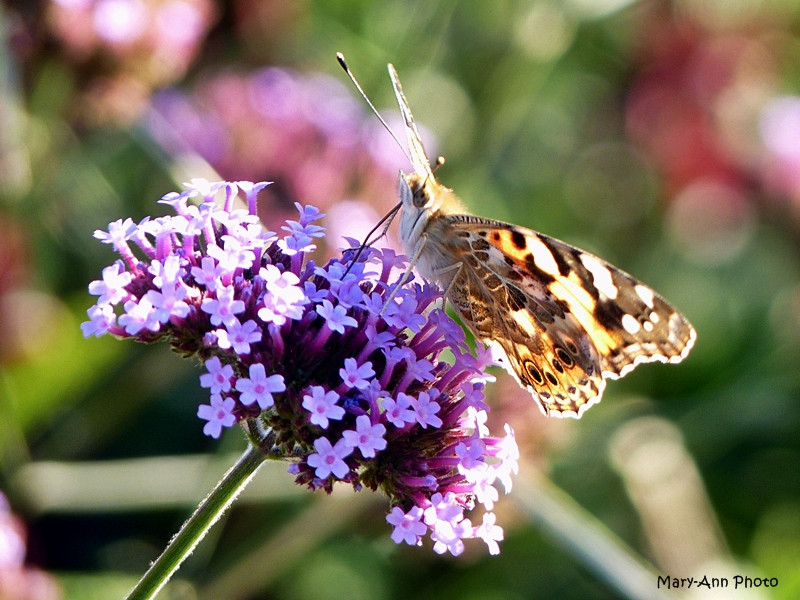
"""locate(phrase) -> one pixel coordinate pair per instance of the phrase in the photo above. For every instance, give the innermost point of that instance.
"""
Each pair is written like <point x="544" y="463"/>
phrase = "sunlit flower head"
<point x="334" y="367"/>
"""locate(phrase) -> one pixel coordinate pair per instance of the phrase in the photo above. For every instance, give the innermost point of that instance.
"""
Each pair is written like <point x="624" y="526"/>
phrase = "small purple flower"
<point x="471" y="453"/>
<point x="336" y="317"/>
<point x="218" y="377"/>
<point x="485" y="492"/>
<point x="139" y="316"/>
<point x="349" y="292"/>
<point x="408" y="527"/>
<point x="223" y="308"/>
<point x="489" y="532"/>
<point x="258" y="387"/>
<point x="419" y="370"/>
<point x="233" y="256"/>
<point x="239" y="336"/>
<point x="218" y="413"/>
<point x="169" y="302"/>
<point x="356" y="376"/>
<point x="208" y="274"/>
<point x="366" y="437"/>
<point x="329" y="459"/>
<point x="308" y="213"/>
<point x="405" y="314"/>
<point x="119" y="232"/>
<point x="166" y="272"/>
<point x="322" y="406"/>
<point x="399" y="412"/>
<point x="296" y="243"/>
<point x="101" y="319"/>
<point x="111" y="288"/>
<point x="425" y="410"/>
<point x="446" y="517"/>
<point x="284" y="298"/>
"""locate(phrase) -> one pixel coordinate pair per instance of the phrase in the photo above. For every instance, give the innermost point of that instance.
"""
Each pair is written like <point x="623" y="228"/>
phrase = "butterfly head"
<point x="417" y="202"/>
<point x="416" y="192"/>
<point x="422" y="200"/>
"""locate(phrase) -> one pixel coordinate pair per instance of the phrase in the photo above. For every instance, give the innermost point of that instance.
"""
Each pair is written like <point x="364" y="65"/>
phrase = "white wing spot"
<point x="654" y="317"/>
<point x="601" y="274"/>
<point x="647" y="326"/>
<point x="525" y="322"/>
<point x="646" y="294"/>
<point x="542" y="256"/>
<point x="630" y="324"/>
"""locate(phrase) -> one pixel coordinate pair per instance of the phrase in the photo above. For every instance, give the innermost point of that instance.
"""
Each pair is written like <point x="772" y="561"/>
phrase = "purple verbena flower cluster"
<point x="336" y="366"/>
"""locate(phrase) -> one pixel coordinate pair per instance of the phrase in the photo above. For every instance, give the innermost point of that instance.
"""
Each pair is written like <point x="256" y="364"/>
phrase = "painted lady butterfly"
<point x="565" y="320"/>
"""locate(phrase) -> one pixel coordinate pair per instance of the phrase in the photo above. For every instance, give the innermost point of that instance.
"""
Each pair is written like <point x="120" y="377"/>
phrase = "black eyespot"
<point x="533" y="372"/>
<point x="551" y="378"/>
<point x="564" y="357"/>
<point x="557" y="365"/>
<point x="572" y="347"/>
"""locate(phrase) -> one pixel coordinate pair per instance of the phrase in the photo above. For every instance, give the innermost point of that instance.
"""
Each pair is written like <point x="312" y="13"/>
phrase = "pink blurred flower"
<point x="131" y="46"/>
<point x="17" y="581"/>
<point x="779" y="127"/>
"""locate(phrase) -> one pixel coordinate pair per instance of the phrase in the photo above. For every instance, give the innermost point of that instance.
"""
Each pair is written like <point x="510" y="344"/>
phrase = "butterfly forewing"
<point x="563" y="318"/>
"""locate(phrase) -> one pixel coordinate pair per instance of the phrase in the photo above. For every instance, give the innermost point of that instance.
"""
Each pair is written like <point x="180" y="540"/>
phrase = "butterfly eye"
<point x="421" y="197"/>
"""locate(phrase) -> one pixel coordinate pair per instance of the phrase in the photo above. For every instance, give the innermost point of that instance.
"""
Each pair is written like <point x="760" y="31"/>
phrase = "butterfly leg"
<point x="454" y="267"/>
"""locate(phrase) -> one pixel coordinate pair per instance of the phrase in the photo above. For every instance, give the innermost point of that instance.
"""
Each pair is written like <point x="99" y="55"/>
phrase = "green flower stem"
<point x="201" y="521"/>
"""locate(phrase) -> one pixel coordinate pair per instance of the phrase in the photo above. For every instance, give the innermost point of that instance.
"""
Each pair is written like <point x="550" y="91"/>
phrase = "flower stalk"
<point x="195" y="528"/>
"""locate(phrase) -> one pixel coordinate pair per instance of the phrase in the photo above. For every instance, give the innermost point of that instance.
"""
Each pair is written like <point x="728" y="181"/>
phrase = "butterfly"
<point x="563" y="320"/>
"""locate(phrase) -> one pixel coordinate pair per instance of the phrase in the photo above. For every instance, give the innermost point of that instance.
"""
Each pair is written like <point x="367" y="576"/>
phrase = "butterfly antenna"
<point x="387" y="218"/>
<point x="439" y="162"/>
<point x="343" y="63"/>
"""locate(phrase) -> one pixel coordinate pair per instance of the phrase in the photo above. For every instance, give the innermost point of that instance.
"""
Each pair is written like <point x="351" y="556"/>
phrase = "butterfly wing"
<point x="566" y="319"/>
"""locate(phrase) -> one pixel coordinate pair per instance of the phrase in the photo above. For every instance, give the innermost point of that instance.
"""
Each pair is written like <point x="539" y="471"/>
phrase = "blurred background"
<point x="663" y="136"/>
